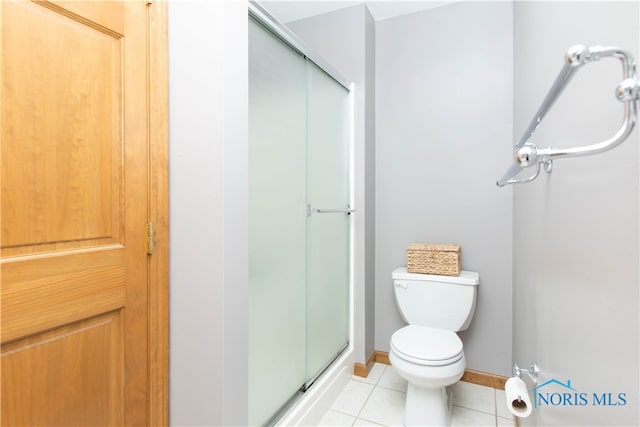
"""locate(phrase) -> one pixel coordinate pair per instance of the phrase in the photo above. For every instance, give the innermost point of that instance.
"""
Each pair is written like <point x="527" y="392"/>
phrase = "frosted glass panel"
<point x="277" y="201"/>
<point x="327" y="234"/>
<point x="298" y="264"/>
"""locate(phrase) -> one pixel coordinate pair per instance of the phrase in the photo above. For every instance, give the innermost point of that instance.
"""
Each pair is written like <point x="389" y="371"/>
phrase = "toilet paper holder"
<point x="532" y="371"/>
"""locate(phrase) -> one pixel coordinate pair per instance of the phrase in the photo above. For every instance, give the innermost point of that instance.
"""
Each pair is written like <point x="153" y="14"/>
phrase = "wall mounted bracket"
<point x="532" y="371"/>
<point x="627" y="92"/>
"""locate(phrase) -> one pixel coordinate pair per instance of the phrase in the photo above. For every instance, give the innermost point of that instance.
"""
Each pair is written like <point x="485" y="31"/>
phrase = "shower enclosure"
<point x="299" y="222"/>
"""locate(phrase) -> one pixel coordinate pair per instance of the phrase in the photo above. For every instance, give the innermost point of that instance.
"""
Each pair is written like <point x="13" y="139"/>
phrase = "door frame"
<point x="158" y="263"/>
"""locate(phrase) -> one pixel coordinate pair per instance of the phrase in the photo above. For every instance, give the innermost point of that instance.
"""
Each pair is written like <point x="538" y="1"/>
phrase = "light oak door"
<point x="79" y="296"/>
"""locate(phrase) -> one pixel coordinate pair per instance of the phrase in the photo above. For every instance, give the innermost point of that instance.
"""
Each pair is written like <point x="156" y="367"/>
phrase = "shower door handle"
<point x="345" y="211"/>
<point x="311" y="210"/>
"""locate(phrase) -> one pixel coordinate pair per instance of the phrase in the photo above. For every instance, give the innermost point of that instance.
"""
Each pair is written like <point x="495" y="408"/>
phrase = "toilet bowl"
<point x="428" y="353"/>
<point x="429" y="359"/>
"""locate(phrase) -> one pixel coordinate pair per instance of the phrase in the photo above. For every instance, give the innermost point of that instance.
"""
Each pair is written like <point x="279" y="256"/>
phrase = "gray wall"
<point x="208" y="222"/>
<point x="576" y="230"/>
<point x="345" y="39"/>
<point x="443" y="132"/>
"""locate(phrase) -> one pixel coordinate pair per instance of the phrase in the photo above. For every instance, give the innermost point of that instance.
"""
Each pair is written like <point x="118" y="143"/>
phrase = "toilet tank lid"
<point x="465" y="278"/>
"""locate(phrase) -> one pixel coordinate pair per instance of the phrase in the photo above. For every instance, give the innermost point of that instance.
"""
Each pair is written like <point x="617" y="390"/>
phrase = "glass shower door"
<point x="328" y="223"/>
<point x="299" y="229"/>
<point x="277" y="198"/>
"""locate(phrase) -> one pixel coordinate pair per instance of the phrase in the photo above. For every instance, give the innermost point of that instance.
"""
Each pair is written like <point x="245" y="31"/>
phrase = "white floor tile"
<point x="374" y="374"/>
<point x="468" y="417"/>
<point x="392" y="380"/>
<point x="384" y="407"/>
<point x="379" y="399"/>
<point x="364" y="423"/>
<point x="352" y="398"/>
<point x="501" y="405"/>
<point x="506" y="422"/>
<point x="474" y="396"/>
<point x="337" y="419"/>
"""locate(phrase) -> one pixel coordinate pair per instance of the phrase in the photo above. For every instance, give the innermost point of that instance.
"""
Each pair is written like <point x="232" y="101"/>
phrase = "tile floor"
<point x="379" y="400"/>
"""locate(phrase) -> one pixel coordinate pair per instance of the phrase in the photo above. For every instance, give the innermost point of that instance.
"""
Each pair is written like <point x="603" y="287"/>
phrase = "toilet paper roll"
<point x="518" y="400"/>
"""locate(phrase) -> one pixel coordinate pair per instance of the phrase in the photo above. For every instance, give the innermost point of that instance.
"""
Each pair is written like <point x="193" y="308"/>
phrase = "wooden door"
<point x="83" y="305"/>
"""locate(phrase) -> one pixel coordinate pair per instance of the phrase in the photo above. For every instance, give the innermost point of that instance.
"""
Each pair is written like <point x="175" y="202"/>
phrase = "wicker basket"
<point x="440" y="259"/>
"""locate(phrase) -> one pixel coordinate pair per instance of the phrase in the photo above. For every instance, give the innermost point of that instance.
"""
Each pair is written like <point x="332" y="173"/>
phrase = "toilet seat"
<point x="424" y="345"/>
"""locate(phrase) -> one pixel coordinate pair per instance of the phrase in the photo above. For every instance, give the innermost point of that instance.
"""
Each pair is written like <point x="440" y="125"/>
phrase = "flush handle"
<point x="401" y="284"/>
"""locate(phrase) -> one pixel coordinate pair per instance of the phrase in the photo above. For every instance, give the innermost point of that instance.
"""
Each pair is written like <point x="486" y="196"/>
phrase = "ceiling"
<point x="288" y="11"/>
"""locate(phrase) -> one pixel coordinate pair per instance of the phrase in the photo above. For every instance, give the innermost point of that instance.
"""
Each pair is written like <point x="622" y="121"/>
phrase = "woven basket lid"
<point x="439" y="247"/>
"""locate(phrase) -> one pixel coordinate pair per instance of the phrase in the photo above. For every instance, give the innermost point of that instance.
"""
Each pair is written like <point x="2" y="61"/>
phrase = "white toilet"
<point x="428" y="352"/>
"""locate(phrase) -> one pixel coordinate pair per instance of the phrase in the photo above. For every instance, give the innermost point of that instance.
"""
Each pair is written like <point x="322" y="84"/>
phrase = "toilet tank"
<point x="446" y="302"/>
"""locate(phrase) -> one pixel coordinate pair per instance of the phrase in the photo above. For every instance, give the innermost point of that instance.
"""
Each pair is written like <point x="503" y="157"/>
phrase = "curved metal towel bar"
<point x="627" y="92"/>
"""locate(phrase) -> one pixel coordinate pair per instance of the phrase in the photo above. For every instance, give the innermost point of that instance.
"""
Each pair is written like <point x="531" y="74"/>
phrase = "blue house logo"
<point x="557" y="393"/>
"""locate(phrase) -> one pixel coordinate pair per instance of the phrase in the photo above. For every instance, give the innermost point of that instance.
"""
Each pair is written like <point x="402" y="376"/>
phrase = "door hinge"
<point x="151" y="239"/>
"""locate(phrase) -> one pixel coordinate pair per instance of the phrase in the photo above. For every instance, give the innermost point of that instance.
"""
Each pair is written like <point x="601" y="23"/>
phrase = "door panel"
<point x="328" y="234"/>
<point x="276" y="223"/>
<point x="62" y="119"/>
<point x="75" y="204"/>
<point x="86" y="352"/>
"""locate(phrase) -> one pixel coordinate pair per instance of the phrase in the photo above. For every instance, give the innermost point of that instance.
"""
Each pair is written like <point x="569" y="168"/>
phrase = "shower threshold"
<point x="303" y="389"/>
